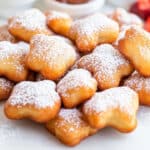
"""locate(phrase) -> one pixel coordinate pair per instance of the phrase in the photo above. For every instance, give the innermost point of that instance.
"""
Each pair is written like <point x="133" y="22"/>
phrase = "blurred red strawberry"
<point x="147" y="24"/>
<point x="144" y="4"/>
<point x="141" y="9"/>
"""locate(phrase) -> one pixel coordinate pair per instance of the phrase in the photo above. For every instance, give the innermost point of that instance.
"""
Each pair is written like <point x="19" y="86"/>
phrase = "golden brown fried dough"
<point x="27" y="24"/>
<point x="93" y="30"/>
<point x="12" y="60"/>
<point x="52" y="56"/>
<point x="59" y="22"/>
<point x="125" y="18"/>
<point x="76" y="87"/>
<point x="141" y="85"/>
<point x="69" y="127"/>
<point x="115" y="107"/>
<point x="5" y="35"/>
<point x="135" y="46"/>
<point x="122" y="33"/>
<point x="6" y="87"/>
<point x="37" y="101"/>
<point x="107" y="65"/>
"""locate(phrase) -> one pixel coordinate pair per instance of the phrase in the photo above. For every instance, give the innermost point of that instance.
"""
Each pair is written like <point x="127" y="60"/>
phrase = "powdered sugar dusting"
<point x="14" y="51"/>
<point x="138" y="82"/>
<point x="75" y="79"/>
<point x="120" y="97"/>
<point x="138" y="31"/>
<point x="91" y="24"/>
<point x="122" y="33"/>
<point x="72" y="117"/>
<point x="5" y="84"/>
<point x="126" y="18"/>
<point x="104" y="60"/>
<point x="40" y="94"/>
<point x="51" y="48"/>
<point x="142" y="46"/>
<point x="32" y="19"/>
<point x="57" y="15"/>
<point x="5" y="35"/>
<point x="144" y="52"/>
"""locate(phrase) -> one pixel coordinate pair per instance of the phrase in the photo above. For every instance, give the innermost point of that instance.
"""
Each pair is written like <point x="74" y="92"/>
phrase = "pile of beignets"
<point x="75" y="76"/>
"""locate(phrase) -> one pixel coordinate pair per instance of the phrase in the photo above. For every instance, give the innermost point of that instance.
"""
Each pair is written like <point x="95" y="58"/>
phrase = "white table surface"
<point x="26" y="135"/>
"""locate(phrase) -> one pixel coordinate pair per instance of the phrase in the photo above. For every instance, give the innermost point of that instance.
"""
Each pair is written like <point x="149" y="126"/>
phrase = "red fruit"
<point x="144" y="14"/>
<point x="144" y="4"/>
<point x="147" y="24"/>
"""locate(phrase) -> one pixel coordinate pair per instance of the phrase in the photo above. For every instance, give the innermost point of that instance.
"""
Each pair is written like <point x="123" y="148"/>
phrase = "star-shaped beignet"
<point x="37" y="101"/>
<point x="135" y="46"/>
<point x="12" y="60"/>
<point x="52" y="56"/>
<point x="59" y="22"/>
<point x="115" y="107"/>
<point x="107" y="65"/>
<point x="6" y="87"/>
<point x="90" y="31"/>
<point x="124" y="17"/>
<point x="76" y="87"/>
<point x="5" y="35"/>
<point x="141" y="85"/>
<point x="27" y="24"/>
<point x="70" y="127"/>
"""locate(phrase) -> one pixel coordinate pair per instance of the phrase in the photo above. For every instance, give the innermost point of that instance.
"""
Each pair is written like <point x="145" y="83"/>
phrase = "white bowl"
<point x="12" y="7"/>
<point x="122" y="3"/>
<point x="75" y="10"/>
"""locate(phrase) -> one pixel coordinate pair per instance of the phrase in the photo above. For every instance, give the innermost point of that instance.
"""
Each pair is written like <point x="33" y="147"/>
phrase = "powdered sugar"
<point x="120" y="97"/>
<point x="138" y="31"/>
<point x="5" y="35"/>
<point x="144" y="52"/>
<point x="32" y="19"/>
<point x="143" y="45"/>
<point x="104" y="60"/>
<point x="138" y="82"/>
<point x="57" y="15"/>
<point x="122" y="33"/>
<point x="40" y="94"/>
<point x="14" y="51"/>
<point x="126" y="18"/>
<point x="51" y="48"/>
<point x="92" y="24"/>
<point x="75" y="79"/>
<point x="5" y="84"/>
<point x="72" y="117"/>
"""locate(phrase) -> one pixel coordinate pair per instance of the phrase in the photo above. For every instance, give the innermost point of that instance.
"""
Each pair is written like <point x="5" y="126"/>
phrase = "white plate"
<point x="26" y="135"/>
